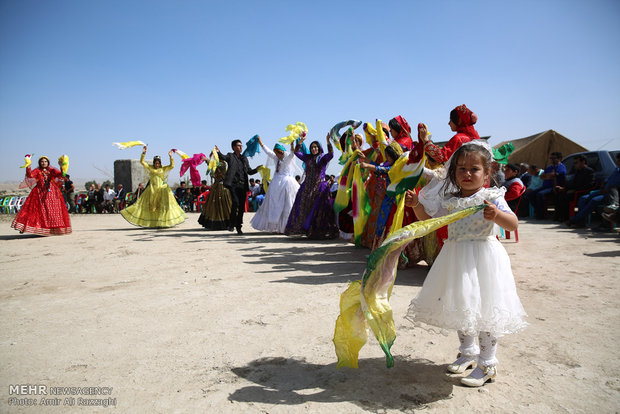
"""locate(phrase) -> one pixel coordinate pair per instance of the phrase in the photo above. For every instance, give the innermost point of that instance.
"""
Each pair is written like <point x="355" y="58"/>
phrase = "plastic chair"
<point x="5" y="204"/>
<point x="516" y="232"/>
<point x="573" y="203"/>
<point x="201" y="200"/>
<point x="20" y="203"/>
<point x="247" y="204"/>
<point x="13" y="204"/>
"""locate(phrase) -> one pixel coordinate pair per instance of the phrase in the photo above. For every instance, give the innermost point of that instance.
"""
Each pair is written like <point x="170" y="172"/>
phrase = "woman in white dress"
<point x="273" y="213"/>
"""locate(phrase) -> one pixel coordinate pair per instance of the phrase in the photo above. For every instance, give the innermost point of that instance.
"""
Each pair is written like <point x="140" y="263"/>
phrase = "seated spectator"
<point x="188" y="200"/>
<point x="254" y="192"/>
<point x="98" y="198"/>
<point x="524" y="174"/>
<point x="554" y="175"/>
<point x="582" y="180"/>
<point x="91" y="199"/>
<point x="514" y="186"/>
<point x="179" y="193"/>
<point x="606" y="196"/>
<point x="204" y="187"/>
<point x="108" y="199"/>
<point x="119" y="198"/>
<point x="258" y="195"/>
<point x="137" y="193"/>
<point x="497" y="175"/>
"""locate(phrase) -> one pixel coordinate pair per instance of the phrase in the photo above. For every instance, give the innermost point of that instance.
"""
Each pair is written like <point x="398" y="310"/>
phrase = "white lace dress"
<point x="273" y="213"/>
<point x="470" y="287"/>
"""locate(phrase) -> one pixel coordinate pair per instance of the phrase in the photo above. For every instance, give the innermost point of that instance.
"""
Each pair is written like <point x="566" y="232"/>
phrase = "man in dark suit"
<point x="236" y="181"/>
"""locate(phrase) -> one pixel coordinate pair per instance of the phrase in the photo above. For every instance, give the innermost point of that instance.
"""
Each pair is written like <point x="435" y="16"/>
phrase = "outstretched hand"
<point x="170" y="153"/>
<point x="144" y="149"/>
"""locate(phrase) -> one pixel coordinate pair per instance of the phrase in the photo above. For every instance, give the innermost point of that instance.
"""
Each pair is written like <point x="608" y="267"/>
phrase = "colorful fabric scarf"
<point x="252" y="147"/>
<point x="295" y="131"/>
<point x="192" y="164"/>
<point x="128" y="144"/>
<point x="366" y="301"/>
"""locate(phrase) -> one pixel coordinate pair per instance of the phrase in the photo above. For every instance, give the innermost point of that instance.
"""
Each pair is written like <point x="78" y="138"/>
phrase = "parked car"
<point x="602" y="162"/>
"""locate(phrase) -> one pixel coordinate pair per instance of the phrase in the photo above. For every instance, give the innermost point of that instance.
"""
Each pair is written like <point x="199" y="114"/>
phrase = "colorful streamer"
<point x="181" y="154"/>
<point x="366" y="302"/>
<point x="344" y="183"/>
<point x="359" y="204"/>
<point x="192" y="164"/>
<point x="27" y="161"/>
<point x="295" y="131"/>
<point x="214" y="161"/>
<point x="252" y="147"/>
<point x="334" y="133"/>
<point x="63" y="162"/>
<point x="128" y="144"/>
<point x="265" y="175"/>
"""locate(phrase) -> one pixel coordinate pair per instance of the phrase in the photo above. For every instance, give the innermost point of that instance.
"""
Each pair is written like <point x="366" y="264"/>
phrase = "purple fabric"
<point x="313" y="211"/>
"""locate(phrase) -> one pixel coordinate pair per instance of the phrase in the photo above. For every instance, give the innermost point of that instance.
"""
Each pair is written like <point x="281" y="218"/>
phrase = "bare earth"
<point x="185" y="320"/>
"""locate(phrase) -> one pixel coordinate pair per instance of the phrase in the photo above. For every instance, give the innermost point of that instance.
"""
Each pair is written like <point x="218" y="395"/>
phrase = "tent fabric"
<point x="535" y="149"/>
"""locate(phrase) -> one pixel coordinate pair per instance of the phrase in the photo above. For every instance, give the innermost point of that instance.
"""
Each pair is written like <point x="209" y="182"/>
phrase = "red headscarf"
<point x="467" y="119"/>
<point x="404" y="136"/>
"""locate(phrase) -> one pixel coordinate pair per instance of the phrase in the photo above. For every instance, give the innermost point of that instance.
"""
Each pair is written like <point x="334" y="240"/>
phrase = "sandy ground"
<point x="185" y="320"/>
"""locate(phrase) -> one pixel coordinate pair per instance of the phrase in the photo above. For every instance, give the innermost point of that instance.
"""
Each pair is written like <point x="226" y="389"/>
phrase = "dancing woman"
<point x="273" y="213"/>
<point x="44" y="212"/>
<point x="157" y="206"/>
<point x="462" y="121"/>
<point x="313" y="212"/>
<point x="216" y="210"/>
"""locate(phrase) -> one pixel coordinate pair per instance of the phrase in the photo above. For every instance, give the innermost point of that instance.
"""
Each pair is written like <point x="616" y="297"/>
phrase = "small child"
<point x="470" y="287"/>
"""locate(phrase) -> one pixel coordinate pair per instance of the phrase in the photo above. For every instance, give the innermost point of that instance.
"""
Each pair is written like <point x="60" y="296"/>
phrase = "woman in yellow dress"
<point x="157" y="206"/>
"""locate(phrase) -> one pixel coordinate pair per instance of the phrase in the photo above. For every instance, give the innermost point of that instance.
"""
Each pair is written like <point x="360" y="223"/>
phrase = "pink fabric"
<point x="191" y="164"/>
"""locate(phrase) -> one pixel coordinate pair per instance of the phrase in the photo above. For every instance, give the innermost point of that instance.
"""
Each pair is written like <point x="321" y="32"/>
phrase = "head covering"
<point x="280" y="147"/>
<point x="320" y="154"/>
<point x="41" y="157"/>
<point x="467" y="119"/>
<point x="156" y="158"/>
<point x="404" y="136"/>
<point x="396" y="147"/>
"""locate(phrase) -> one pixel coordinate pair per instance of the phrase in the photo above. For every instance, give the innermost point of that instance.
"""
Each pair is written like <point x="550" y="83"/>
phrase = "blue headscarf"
<point x="280" y="147"/>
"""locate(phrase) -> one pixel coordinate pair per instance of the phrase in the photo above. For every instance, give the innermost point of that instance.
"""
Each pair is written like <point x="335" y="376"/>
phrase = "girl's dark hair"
<point x="513" y="167"/>
<point x="484" y="155"/>
<point x="156" y="158"/>
<point x="454" y="117"/>
<point x="389" y="151"/>
<point x="395" y="125"/>
<point x="235" y="142"/>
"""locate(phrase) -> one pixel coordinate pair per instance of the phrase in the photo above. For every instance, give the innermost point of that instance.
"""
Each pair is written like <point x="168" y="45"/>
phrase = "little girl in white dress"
<point x="470" y="287"/>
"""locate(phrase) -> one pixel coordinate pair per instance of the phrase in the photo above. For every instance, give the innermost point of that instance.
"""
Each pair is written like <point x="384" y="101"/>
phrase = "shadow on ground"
<point x="410" y="385"/>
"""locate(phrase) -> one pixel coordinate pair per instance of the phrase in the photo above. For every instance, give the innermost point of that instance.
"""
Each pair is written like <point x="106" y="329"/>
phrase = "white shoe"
<point x="462" y="363"/>
<point x="479" y="376"/>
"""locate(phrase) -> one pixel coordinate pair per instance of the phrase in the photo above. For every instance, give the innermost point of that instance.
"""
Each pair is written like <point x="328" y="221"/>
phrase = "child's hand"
<point x="490" y="211"/>
<point x="411" y="198"/>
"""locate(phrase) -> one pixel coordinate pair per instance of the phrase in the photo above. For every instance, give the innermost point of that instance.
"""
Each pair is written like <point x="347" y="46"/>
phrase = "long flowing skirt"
<point x="273" y="213"/>
<point x="313" y="212"/>
<point x="155" y="208"/>
<point x="216" y="210"/>
<point x="43" y="213"/>
<point x="470" y="288"/>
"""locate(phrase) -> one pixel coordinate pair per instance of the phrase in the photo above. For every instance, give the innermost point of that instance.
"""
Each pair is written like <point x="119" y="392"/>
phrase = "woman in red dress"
<point x="44" y="212"/>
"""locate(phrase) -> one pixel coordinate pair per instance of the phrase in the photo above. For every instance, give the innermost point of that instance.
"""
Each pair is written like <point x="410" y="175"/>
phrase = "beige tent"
<point x="536" y="149"/>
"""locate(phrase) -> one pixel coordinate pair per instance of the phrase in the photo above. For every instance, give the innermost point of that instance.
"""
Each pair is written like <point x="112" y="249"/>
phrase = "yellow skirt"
<point x="155" y="208"/>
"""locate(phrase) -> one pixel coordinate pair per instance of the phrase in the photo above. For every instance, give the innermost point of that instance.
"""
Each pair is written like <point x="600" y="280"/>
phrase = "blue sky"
<point x="77" y="75"/>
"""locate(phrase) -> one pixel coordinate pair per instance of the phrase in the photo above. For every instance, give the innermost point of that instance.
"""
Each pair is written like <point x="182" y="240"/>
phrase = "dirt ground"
<point x="185" y="320"/>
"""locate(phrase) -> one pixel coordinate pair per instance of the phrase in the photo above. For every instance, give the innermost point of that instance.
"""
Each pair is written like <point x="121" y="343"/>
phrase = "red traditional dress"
<point x="44" y="212"/>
